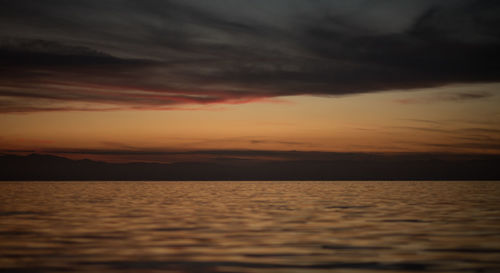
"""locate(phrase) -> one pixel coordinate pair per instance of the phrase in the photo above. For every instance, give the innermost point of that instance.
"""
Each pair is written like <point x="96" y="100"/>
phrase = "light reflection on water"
<point x="250" y="226"/>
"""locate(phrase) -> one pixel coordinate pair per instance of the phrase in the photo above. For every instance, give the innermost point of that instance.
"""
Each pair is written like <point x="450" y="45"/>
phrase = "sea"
<point x="235" y="226"/>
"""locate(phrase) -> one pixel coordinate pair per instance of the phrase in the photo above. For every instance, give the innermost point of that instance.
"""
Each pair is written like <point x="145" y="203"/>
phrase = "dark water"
<point x="250" y="226"/>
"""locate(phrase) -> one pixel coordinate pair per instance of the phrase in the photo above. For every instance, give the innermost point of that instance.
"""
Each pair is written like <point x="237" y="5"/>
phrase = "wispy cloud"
<point x="494" y="146"/>
<point x="460" y="131"/>
<point x="473" y="139"/>
<point x="446" y="97"/>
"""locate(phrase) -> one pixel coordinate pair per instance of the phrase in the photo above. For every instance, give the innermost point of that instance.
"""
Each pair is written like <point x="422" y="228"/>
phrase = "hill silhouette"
<point x="354" y="167"/>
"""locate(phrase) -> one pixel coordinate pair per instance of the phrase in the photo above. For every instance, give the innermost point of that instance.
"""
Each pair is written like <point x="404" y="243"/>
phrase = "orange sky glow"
<point x="424" y="120"/>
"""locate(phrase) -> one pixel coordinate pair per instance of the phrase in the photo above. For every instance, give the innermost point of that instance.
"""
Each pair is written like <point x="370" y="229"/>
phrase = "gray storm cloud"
<point x="156" y="54"/>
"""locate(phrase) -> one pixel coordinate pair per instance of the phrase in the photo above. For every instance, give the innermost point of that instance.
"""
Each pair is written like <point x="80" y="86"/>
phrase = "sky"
<point x="169" y="81"/>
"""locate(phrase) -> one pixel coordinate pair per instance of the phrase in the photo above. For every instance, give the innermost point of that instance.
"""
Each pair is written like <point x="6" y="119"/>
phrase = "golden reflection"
<point x="249" y="226"/>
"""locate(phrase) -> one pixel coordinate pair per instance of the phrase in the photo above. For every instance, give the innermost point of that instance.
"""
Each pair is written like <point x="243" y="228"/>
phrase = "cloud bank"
<point x="130" y="54"/>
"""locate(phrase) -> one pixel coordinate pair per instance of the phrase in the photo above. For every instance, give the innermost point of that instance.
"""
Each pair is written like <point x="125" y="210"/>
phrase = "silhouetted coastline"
<point x="337" y="167"/>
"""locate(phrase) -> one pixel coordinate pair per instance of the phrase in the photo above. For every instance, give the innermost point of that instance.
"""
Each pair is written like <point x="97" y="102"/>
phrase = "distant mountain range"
<point x="336" y="167"/>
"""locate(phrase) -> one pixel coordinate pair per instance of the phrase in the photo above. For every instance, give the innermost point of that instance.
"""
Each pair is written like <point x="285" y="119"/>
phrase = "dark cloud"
<point x="28" y="52"/>
<point x="158" y="54"/>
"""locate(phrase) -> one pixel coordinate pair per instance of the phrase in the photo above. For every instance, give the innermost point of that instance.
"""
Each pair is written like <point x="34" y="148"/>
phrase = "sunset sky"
<point x="167" y="81"/>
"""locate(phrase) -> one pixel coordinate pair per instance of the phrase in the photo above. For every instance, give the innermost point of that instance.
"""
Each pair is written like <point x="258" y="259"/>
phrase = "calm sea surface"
<point x="250" y="226"/>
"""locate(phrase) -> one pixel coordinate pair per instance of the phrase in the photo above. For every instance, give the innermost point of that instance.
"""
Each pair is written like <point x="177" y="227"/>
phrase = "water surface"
<point x="250" y="226"/>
